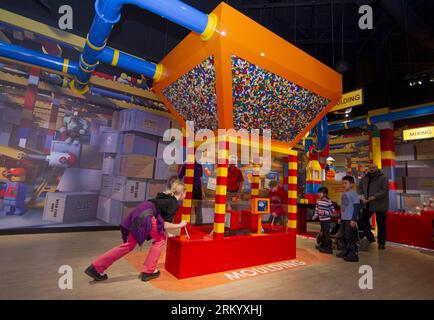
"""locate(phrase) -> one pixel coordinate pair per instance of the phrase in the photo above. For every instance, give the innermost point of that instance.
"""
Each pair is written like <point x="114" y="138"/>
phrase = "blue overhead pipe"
<point x="108" y="55"/>
<point x="14" y="52"/>
<point x="173" y="10"/>
<point x="53" y="63"/>
<point x="128" y="62"/>
<point x="108" y="12"/>
<point x="111" y="94"/>
<point x="393" y="116"/>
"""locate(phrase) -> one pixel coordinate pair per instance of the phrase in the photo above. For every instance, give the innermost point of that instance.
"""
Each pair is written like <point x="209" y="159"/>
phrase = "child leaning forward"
<point x="149" y="220"/>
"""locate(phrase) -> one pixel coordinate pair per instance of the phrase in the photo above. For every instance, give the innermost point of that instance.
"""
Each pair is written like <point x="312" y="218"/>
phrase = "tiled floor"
<point x="29" y="267"/>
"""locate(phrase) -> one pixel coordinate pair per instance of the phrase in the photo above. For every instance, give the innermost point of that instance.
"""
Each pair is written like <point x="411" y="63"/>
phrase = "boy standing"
<point x="349" y="215"/>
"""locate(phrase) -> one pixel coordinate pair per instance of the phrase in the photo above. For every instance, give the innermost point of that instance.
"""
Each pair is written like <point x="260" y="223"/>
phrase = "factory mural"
<point x="67" y="161"/>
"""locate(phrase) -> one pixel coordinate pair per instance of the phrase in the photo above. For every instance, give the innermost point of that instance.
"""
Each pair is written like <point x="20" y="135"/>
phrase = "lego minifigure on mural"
<point x="74" y="126"/>
<point x="14" y="197"/>
<point x="330" y="169"/>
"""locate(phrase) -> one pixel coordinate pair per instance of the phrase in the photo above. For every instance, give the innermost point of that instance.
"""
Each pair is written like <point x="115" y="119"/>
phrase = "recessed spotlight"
<point x="223" y="33"/>
<point x="262" y="54"/>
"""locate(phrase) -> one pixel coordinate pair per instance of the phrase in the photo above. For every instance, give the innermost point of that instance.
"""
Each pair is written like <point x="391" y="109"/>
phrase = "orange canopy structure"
<point x="246" y="77"/>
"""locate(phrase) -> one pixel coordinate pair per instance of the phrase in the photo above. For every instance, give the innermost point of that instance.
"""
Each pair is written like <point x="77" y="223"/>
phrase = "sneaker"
<point x="371" y="240"/>
<point x="342" y="254"/>
<point x="381" y="247"/>
<point x="351" y="258"/>
<point x="326" y="250"/>
<point x="149" y="276"/>
<point x="95" y="275"/>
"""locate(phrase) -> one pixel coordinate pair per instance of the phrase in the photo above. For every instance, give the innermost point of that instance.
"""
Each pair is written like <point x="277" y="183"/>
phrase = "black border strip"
<point x="39" y="230"/>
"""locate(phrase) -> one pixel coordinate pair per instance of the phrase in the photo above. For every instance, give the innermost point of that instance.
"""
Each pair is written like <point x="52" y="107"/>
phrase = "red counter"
<point x="411" y="229"/>
<point x="200" y="256"/>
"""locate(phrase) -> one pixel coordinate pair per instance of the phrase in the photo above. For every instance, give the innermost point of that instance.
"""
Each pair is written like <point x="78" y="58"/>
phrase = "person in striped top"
<point x="323" y="210"/>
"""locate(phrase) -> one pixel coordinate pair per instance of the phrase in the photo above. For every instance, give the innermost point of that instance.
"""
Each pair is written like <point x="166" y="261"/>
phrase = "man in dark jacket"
<point x="374" y="192"/>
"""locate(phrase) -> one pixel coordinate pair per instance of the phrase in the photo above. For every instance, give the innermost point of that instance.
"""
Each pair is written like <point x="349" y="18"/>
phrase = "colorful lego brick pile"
<point x="194" y="95"/>
<point x="263" y="100"/>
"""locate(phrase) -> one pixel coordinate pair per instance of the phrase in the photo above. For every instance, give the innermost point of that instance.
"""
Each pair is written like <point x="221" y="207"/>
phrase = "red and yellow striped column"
<point x="388" y="163"/>
<point x="292" y="190"/>
<point x="221" y="186"/>
<point x="253" y="195"/>
<point x="188" y="178"/>
<point x="255" y="184"/>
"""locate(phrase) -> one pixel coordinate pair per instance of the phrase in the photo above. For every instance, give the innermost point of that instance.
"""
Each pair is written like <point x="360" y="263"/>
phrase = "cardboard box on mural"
<point x="113" y="211"/>
<point x="106" y="186"/>
<point x="90" y="157"/>
<point x="109" y="140"/>
<point x="108" y="165"/>
<point x="137" y="166"/>
<point x="68" y="207"/>
<point x="63" y="147"/>
<point x="128" y="190"/>
<point x="133" y="143"/>
<point x="109" y="210"/>
<point x="154" y="187"/>
<point x="165" y="171"/>
<point x="160" y="148"/>
<point x="79" y="179"/>
<point x="143" y="121"/>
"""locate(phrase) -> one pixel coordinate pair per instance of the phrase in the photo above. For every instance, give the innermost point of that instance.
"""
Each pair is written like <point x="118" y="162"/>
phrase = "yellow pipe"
<point x="65" y="65"/>
<point x="210" y="27"/>
<point x="115" y="57"/>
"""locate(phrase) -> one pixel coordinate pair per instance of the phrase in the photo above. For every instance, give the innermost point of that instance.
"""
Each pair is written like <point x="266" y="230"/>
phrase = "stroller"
<point x="337" y="236"/>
